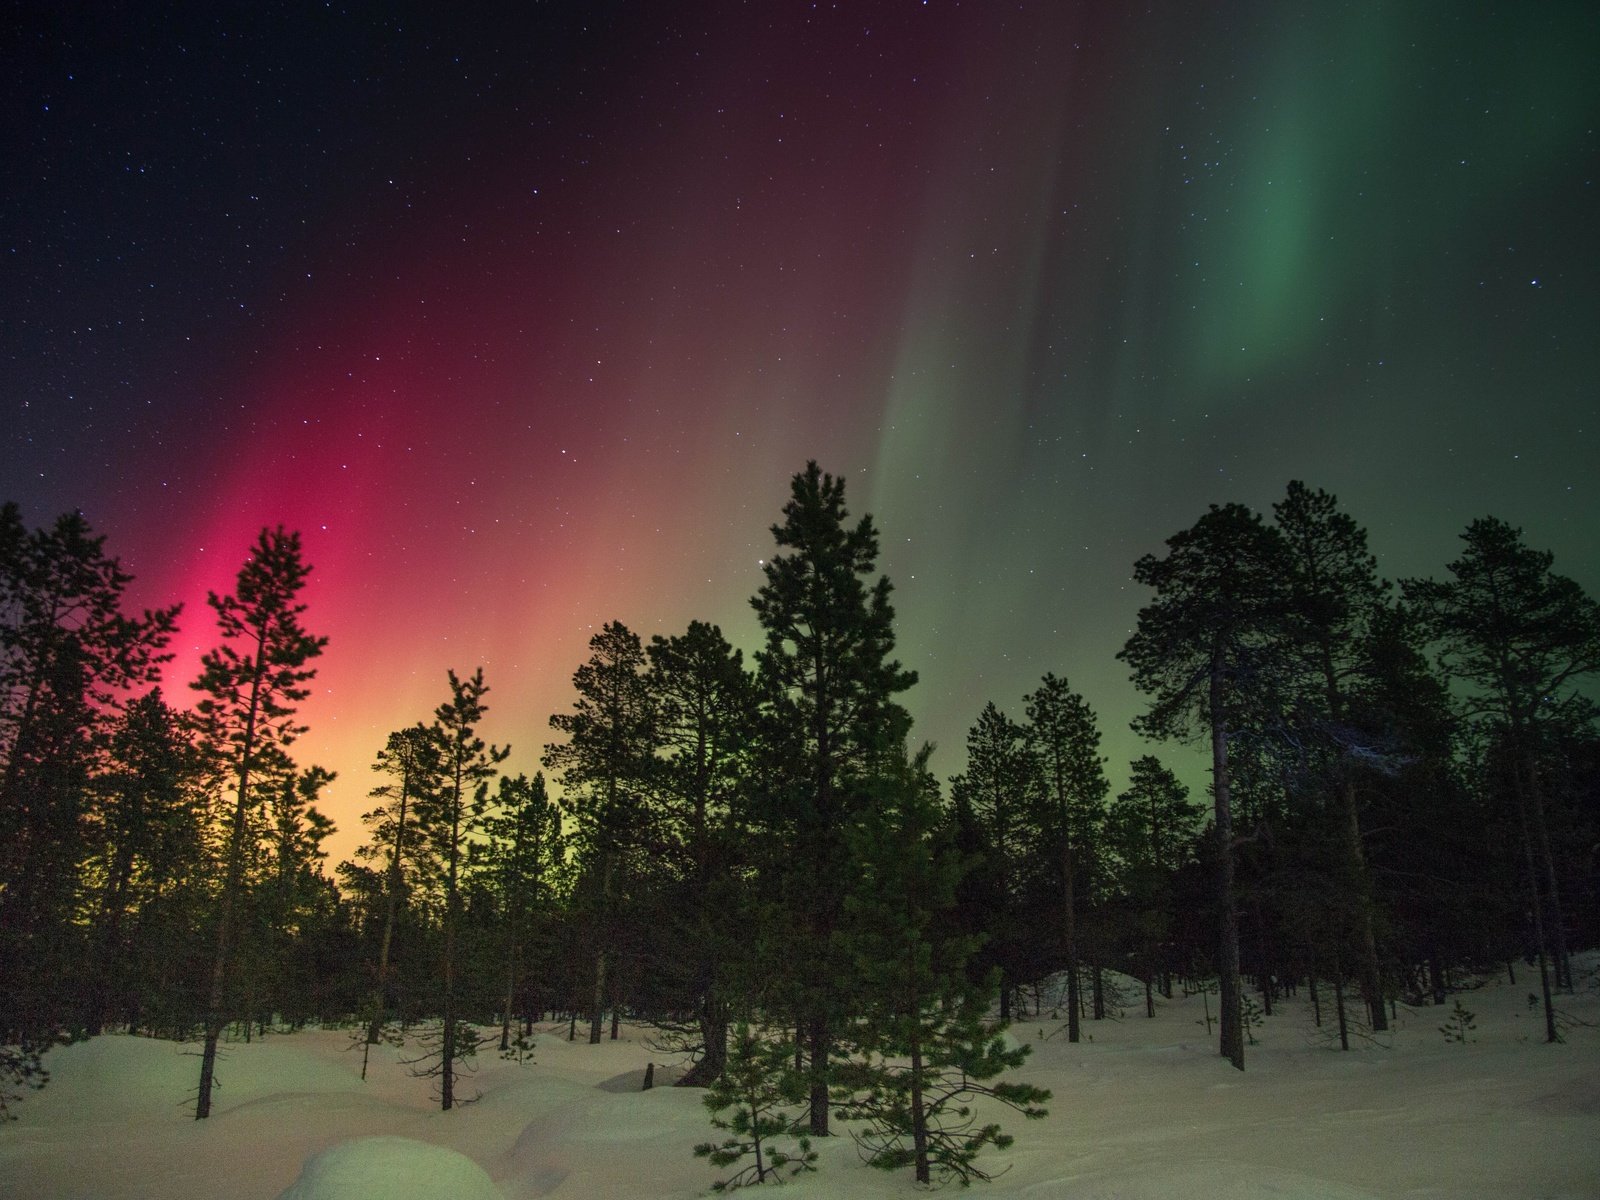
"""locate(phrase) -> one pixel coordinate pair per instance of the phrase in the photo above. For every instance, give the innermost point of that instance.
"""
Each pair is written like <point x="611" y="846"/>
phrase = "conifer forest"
<point x="749" y="852"/>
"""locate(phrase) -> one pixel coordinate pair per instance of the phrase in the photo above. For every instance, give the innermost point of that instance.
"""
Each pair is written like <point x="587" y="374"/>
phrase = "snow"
<point x="1145" y="1110"/>
<point x="391" y="1168"/>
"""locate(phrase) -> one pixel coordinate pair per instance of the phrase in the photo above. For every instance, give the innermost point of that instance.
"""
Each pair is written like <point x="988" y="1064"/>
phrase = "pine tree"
<point x="411" y="758"/>
<point x="828" y="688"/>
<point x="1459" y="1024"/>
<point x="1207" y="649"/>
<point x="1335" y="596"/>
<point x="704" y="704"/>
<point x="69" y="657"/>
<point x="1522" y="637"/>
<point x="923" y="1046"/>
<point x="524" y="853"/>
<point x="999" y="790"/>
<point x="1065" y="741"/>
<point x="293" y="900"/>
<point x="250" y="684"/>
<point x="145" y="834"/>
<point x="761" y="1086"/>
<point x="1152" y="827"/>
<point x="453" y="815"/>
<point x="606" y="766"/>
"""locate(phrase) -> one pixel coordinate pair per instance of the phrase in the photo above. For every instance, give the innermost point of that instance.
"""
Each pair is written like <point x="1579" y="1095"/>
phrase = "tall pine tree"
<point x="1065" y="741"/>
<point x="1522" y="637"/>
<point x="250" y="685"/>
<point x="606" y="765"/>
<point x="1335" y="596"/>
<point x="828" y="685"/>
<point x="454" y="815"/>
<point x="1208" y="651"/>
<point x="69" y="657"/>
<point x="704" y="703"/>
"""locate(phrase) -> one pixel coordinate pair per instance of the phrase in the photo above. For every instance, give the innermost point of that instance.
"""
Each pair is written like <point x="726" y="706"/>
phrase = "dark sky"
<point x="526" y="318"/>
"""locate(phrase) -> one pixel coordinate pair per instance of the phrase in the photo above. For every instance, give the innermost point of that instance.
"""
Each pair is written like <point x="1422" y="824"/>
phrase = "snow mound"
<point x="390" y="1168"/>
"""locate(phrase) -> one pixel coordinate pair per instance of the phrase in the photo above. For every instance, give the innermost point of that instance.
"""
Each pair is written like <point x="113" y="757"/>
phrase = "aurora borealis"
<point x="525" y="318"/>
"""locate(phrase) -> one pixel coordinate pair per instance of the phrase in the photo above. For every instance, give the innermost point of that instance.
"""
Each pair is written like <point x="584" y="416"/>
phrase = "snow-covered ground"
<point x="1146" y="1109"/>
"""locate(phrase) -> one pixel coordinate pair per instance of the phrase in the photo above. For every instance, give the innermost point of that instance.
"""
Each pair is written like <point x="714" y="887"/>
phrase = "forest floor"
<point x="1143" y="1109"/>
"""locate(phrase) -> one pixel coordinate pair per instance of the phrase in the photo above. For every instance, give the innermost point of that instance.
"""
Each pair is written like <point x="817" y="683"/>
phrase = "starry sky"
<point x="526" y="317"/>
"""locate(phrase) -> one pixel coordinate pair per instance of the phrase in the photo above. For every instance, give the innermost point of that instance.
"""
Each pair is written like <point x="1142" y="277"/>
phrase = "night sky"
<point x="525" y="319"/>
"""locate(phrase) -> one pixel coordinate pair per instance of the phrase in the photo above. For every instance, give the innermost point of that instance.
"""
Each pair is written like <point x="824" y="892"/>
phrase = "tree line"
<point x="756" y="859"/>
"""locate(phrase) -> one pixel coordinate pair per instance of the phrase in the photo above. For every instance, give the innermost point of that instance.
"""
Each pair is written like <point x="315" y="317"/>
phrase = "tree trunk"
<point x="219" y="965"/>
<point x="1536" y="913"/>
<point x="390" y="916"/>
<point x="113" y="909"/>
<point x="511" y="992"/>
<point x="713" y="1062"/>
<point x="603" y="934"/>
<point x="919" y="1117"/>
<point x="1070" y="929"/>
<point x="447" y="1046"/>
<point x="1338" y="1007"/>
<point x="1370" y="976"/>
<point x="1556" y="921"/>
<point x="1228" y="1000"/>
<point x="821" y="1042"/>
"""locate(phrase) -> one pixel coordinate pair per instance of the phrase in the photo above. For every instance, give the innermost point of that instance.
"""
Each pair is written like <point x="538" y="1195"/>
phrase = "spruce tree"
<point x="828" y="687"/>
<point x="250" y="685"/>
<point x="1209" y="651"/>
<point x="293" y="903"/>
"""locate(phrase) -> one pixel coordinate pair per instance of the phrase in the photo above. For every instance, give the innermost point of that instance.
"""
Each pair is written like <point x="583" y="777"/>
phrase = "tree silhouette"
<point x="1208" y="651"/>
<point x="250" y="684"/>
<point x="1522" y="637"/>
<point x="828" y="687"/>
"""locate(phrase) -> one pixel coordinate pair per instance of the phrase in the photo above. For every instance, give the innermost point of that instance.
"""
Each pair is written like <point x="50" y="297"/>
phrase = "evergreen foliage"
<point x="828" y="687"/>
<point x="997" y="814"/>
<point x="1064" y="740"/>
<point x="1460" y="1022"/>
<point x="524" y="855"/>
<point x="1210" y="652"/>
<point x="70" y="658"/>
<point x="453" y="816"/>
<point x="758" y="1100"/>
<point x="923" y="1047"/>
<point x="706" y="721"/>
<point x="1403" y="792"/>
<point x="250" y="684"/>
<point x="1522" y="638"/>
<point x="412" y="759"/>
<point x="606" y="767"/>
